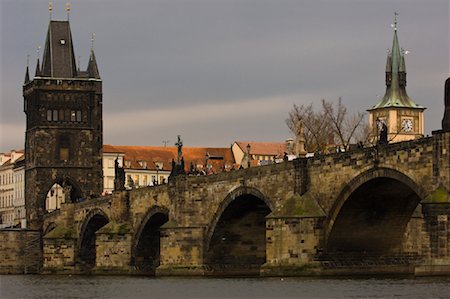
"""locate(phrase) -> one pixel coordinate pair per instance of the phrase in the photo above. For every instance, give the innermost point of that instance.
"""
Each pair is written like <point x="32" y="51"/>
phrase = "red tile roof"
<point x="151" y="154"/>
<point x="264" y="148"/>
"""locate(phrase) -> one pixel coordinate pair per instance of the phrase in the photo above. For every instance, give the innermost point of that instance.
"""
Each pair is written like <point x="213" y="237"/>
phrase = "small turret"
<point x="27" y="76"/>
<point x="92" y="68"/>
<point x="38" y="69"/>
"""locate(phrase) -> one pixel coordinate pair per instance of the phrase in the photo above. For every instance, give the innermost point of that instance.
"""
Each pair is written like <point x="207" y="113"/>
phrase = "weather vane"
<point x="92" y="40"/>
<point x="50" y="8"/>
<point x="68" y="9"/>
<point x="395" y="21"/>
<point x="38" y="50"/>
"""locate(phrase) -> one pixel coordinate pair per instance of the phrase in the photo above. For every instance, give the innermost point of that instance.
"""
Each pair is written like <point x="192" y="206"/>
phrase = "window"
<point x="78" y="116"/>
<point x="55" y="115"/>
<point x="64" y="145"/>
<point x="73" y="116"/>
<point x="111" y="163"/>
<point x="49" y="115"/>
<point x="136" y="180"/>
<point x="61" y="115"/>
<point x="144" y="180"/>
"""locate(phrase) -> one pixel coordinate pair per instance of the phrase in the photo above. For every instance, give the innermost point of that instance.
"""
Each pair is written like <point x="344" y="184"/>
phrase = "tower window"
<point x="64" y="146"/>
<point x="49" y="115"/>
<point x="78" y="116"/>
<point x="55" y="115"/>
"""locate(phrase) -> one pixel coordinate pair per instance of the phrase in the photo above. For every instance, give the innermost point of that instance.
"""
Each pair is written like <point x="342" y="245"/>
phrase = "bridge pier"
<point x="293" y="236"/>
<point x="181" y="251"/>
<point x="113" y="245"/>
<point x="436" y="210"/>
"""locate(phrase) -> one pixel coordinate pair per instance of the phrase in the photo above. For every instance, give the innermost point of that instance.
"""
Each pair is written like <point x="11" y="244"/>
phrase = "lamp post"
<point x="157" y="172"/>
<point x="248" y="155"/>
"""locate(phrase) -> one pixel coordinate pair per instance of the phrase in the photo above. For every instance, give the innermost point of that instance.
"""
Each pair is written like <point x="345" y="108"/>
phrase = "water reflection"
<point x="39" y="286"/>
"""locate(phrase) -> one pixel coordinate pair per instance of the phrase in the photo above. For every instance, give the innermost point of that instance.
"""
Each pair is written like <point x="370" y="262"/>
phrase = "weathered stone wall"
<point x="113" y="249"/>
<point x="292" y="241"/>
<point x="20" y="251"/>
<point x="59" y="255"/>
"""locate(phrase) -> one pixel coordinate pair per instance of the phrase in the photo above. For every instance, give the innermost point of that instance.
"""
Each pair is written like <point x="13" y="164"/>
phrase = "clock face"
<point x="407" y="125"/>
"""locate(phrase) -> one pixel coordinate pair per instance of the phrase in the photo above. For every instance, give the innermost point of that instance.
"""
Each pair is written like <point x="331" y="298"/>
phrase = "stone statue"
<point x="179" y="145"/>
<point x="300" y="150"/>
<point x="119" y="179"/>
<point x="383" y="138"/>
<point x="446" y="119"/>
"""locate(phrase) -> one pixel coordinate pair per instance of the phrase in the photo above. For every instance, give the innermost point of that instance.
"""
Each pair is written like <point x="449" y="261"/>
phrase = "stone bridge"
<point x="372" y="210"/>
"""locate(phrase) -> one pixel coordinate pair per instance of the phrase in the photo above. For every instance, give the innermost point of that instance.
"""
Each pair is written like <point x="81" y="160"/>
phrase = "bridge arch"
<point x="94" y="220"/>
<point x="145" y="251"/>
<point x="236" y="234"/>
<point x="371" y="211"/>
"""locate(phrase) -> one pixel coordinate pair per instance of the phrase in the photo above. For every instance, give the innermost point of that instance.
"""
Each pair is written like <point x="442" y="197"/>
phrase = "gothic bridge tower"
<point x="64" y="134"/>
<point x="402" y="116"/>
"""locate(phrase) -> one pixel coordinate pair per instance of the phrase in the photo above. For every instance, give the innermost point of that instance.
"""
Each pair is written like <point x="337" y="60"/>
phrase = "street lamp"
<point x="157" y="172"/>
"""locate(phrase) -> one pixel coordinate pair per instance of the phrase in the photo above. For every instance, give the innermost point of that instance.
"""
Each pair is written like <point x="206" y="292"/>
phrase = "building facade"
<point x="12" y="201"/>
<point x="402" y="118"/>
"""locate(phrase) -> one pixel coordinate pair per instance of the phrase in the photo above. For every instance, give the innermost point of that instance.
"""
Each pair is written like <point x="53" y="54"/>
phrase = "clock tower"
<point x="402" y="116"/>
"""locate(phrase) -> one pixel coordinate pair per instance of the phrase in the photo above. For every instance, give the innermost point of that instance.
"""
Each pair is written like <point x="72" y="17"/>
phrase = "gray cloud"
<point x="173" y="63"/>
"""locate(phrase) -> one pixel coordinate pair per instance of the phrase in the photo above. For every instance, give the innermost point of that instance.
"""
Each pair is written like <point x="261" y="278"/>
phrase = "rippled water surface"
<point x="39" y="286"/>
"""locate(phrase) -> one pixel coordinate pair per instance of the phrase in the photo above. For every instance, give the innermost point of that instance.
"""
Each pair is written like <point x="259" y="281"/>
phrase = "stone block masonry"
<point x="20" y="251"/>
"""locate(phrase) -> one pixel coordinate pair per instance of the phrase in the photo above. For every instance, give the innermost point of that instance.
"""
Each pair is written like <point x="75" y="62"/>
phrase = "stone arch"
<point x="51" y="226"/>
<point x="359" y="182"/>
<point x="150" y="225"/>
<point x="75" y="193"/>
<point x="231" y="196"/>
<point x="101" y="219"/>
<point x="235" y="243"/>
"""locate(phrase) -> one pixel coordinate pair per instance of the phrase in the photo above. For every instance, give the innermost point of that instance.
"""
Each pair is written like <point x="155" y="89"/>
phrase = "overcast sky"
<point x="222" y="70"/>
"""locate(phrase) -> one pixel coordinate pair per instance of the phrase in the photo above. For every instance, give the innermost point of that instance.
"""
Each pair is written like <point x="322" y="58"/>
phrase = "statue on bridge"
<point x="119" y="178"/>
<point x="178" y="168"/>
<point x="383" y="133"/>
<point x="446" y="119"/>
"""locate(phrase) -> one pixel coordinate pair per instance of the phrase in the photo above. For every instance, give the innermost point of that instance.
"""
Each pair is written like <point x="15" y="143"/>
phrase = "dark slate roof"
<point x="59" y="57"/>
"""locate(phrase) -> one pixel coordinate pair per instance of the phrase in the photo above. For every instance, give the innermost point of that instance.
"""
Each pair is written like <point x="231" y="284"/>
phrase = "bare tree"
<point x="343" y="125"/>
<point x="317" y="129"/>
<point x="331" y="121"/>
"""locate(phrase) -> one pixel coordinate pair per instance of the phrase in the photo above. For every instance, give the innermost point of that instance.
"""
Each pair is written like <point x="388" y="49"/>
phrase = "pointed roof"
<point x="92" y="68"/>
<point x="59" y="58"/>
<point x="396" y="95"/>
<point x="38" y="69"/>
<point x="27" y="76"/>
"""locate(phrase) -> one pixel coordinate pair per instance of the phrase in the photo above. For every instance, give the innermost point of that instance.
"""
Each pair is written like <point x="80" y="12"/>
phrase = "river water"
<point x="48" y="286"/>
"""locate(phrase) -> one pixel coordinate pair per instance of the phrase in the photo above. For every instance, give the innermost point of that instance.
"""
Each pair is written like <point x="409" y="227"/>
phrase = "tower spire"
<point x="92" y="68"/>
<point x="396" y="95"/>
<point x="38" y="65"/>
<point x="27" y="72"/>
